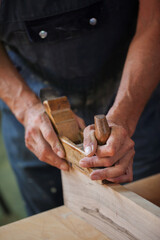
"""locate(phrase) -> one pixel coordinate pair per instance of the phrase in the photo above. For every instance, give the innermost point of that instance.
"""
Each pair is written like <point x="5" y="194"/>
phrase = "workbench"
<point x="58" y="224"/>
<point x="62" y="223"/>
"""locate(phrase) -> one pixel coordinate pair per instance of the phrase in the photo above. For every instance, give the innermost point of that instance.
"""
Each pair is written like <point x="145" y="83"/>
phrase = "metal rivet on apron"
<point x="43" y="34"/>
<point x="53" y="190"/>
<point x="93" y="21"/>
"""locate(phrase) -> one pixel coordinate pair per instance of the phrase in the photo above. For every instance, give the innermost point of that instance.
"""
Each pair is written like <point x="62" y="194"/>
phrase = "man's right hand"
<point x="41" y="139"/>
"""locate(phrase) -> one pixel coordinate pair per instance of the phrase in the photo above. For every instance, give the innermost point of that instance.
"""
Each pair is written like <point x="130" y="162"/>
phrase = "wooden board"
<point x="113" y="209"/>
<point x="148" y="188"/>
<point x="58" y="224"/>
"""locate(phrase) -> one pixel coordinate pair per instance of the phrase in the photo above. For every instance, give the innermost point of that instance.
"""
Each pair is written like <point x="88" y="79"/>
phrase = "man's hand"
<point x="41" y="139"/>
<point x="116" y="156"/>
<point x="140" y="77"/>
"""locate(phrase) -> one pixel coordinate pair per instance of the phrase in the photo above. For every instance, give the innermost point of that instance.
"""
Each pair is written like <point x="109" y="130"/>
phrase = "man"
<point x="73" y="46"/>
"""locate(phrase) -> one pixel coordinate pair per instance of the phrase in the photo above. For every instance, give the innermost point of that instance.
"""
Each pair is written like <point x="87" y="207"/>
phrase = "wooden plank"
<point x="148" y="188"/>
<point x="58" y="224"/>
<point x="112" y="209"/>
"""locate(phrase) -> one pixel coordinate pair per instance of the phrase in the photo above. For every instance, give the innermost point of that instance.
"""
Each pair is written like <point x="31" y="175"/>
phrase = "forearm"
<point x="40" y="137"/>
<point x="140" y="76"/>
<point x="13" y="90"/>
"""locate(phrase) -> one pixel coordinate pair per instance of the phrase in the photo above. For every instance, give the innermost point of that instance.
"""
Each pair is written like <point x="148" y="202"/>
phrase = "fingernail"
<point x="88" y="150"/>
<point x="64" y="167"/>
<point x="60" y="154"/>
<point x="92" y="147"/>
<point x="94" y="177"/>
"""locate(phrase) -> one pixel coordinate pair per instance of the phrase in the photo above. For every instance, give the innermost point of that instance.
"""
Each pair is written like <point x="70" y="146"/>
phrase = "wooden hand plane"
<point x="67" y="129"/>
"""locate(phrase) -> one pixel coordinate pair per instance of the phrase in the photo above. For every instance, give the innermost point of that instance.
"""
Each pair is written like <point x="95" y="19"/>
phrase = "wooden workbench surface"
<point x="57" y="224"/>
<point x="148" y="188"/>
<point x="62" y="224"/>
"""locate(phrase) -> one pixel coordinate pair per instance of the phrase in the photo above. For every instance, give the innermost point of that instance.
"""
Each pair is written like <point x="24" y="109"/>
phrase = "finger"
<point x="29" y="141"/>
<point x="102" y="151"/>
<point x="127" y="177"/>
<point x="94" y="161"/>
<point x="44" y="152"/>
<point x="89" y="142"/>
<point x="114" y="142"/>
<point x="114" y="171"/>
<point x="50" y="136"/>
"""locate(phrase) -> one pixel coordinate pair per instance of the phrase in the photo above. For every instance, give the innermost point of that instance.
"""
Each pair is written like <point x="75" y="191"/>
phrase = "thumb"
<point x="90" y="142"/>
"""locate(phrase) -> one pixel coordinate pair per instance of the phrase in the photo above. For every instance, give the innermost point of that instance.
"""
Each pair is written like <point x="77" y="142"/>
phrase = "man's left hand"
<point x="116" y="156"/>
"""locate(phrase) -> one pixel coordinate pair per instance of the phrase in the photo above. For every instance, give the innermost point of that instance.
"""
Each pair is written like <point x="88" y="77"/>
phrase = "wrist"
<point x="125" y="119"/>
<point x="24" y="103"/>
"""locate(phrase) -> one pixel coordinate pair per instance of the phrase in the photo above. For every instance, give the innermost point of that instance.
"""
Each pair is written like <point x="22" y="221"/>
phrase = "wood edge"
<point x="71" y="144"/>
<point x="135" y="199"/>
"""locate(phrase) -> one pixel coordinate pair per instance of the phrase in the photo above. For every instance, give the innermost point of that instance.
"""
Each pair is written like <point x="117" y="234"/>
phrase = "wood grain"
<point x="58" y="224"/>
<point x="112" y="209"/>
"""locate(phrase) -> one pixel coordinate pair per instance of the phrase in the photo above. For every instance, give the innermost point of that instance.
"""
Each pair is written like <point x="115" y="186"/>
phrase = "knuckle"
<point x="56" y="163"/>
<point x="112" y="151"/>
<point x="130" y="178"/>
<point x="30" y="132"/>
<point x="131" y="144"/>
<point x="86" y="130"/>
<point x="111" y="160"/>
<point x="28" y="138"/>
<point x="43" y="154"/>
<point x="27" y="144"/>
<point x="108" y="162"/>
<point x="122" y="170"/>
<point x="28" y="135"/>
<point x="133" y="153"/>
<point x="54" y="149"/>
<point x="103" y="175"/>
<point x="47" y="135"/>
<point x="92" y="163"/>
<point x="123" y="132"/>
